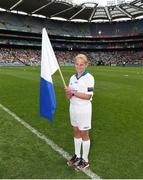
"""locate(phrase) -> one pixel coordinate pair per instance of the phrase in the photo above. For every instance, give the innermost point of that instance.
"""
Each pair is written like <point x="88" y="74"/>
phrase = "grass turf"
<point x="116" y="135"/>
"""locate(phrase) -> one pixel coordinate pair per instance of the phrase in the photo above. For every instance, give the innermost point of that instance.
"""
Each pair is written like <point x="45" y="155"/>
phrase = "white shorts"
<point x="80" y="116"/>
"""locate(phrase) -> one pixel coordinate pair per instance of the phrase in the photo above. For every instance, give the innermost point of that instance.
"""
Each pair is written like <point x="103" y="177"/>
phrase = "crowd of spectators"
<point x="130" y="57"/>
<point x="25" y="56"/>
<point x="110" y="58"/>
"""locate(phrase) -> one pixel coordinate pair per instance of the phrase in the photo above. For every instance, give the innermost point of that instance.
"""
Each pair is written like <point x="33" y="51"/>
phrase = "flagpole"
<point x="62" y="77"/>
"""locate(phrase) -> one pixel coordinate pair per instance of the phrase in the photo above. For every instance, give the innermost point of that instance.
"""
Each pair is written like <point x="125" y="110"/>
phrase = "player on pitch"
<point x="80" y="92"/>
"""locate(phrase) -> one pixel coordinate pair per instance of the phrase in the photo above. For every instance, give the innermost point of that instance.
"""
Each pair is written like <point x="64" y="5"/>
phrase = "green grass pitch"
<point x="116" y="134"/>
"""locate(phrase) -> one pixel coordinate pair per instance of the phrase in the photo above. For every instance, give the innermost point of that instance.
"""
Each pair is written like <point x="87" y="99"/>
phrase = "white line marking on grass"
<point x="54" y="146"/>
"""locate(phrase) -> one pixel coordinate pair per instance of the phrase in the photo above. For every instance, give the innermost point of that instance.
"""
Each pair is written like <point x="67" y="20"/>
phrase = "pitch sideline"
<point x="54" y="146"/>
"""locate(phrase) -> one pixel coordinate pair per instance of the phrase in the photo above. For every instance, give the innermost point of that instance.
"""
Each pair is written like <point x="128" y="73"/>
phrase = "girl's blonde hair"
<point x="83" y="57"/>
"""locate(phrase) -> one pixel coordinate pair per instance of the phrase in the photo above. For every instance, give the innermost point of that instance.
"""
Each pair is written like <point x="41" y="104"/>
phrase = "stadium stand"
<point x="106" y="43"/>
<point x="32" y="57"/>
<point x="9" y="56"/>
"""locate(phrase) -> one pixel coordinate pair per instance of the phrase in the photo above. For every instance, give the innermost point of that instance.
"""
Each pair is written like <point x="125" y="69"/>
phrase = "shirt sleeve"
<point x="90" y="85"/>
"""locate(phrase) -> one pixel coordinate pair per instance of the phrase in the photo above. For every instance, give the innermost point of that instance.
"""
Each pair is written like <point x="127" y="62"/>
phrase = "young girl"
<point x="80" y="92"/>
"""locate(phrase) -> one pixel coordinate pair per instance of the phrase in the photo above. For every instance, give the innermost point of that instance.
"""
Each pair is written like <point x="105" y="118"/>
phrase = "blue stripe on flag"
<point x="47" y="99"/>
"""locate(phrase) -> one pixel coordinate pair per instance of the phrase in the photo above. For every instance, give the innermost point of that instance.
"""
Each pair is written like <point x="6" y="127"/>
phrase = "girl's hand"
<point x="68" y="92"/>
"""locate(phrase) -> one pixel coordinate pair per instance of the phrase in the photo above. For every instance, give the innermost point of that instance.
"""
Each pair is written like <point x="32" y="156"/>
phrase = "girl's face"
<point x="80" y="65"/>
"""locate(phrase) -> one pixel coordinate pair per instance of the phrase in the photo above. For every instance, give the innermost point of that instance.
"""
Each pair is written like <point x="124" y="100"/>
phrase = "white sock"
<point x="77" y="145"/>
<point x="85" y="148"/>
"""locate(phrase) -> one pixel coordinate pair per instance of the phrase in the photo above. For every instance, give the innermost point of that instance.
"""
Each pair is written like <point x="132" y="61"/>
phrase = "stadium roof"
<point x="87" y="11"/>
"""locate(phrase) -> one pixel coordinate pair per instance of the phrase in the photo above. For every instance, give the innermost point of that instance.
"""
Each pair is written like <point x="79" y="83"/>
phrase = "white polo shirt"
<point x="83" y="84"/>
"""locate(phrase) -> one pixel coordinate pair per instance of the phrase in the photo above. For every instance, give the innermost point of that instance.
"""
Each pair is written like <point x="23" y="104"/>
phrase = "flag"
<point x="49" y="66"/>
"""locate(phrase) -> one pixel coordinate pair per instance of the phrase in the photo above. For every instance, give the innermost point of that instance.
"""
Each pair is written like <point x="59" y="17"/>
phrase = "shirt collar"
<point x="83" y="74"/>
